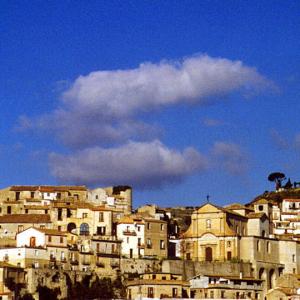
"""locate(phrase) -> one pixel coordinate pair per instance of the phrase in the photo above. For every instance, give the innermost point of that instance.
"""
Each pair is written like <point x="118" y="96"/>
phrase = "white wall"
<point x="23" y="238"/>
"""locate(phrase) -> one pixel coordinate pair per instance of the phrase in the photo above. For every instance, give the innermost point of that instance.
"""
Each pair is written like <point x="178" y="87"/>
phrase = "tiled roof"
<point x="52" y="231"/>
<point x="258" y="215"/>
<point x="47" y="188"/>
<point x="61" y="188"/>
<point x="291" y="200"/>
<point x="126" y="220"/>
<point x="238" y="206"/>
<point x="37" y="207"/>
<point x="24" y="218"/>
<point x="19" y="188"/>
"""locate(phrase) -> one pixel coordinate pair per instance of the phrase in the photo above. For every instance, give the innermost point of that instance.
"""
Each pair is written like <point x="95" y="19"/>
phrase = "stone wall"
<point x="190" y="269"/>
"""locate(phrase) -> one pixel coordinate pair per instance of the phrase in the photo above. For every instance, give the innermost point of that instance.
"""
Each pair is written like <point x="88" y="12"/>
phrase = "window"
<point x="258" y="245"/>
<point x="101" y="217"/>
<point x="260" y="207"/>
<point x="222" y="294"/>
<point x="149" y="243"/>
<point x="84" y="215"/>
<point x="128" y="240"/>
<point x="26" y="211"/>
<point x="96" y="197"/>
<point x="17" y="195"/>
<point x="59" y="228"/>
<point x="162" y="244"/>
<point x="101" y="230"/>
<point x="162" y="227"/>
<point x="139" y="241"/>
<point x="59" y="214"/>
<point x="148" y="226"/>
<point x="8" y="210"/>
<point x="61" y="240"/>
<point x="32" y="195"/>
<point x="84" y="229"/>
<point x="228" y="255"/>
<point x="212" y="294"/>
<point x="139" y="228"/>
<point x="150" y="292"/>
<point x="49" y="238"/>
<point x="208" y="223"/>
<point x="36" y="252"/>
<point x="268" y="247"/>
<point x="228" y="244"/>
<point x="293" y="258"/>
<point x="174" y="292"/>
<point x="20" y="228"/>
<point x="58" y="195"/>
<point x="42" y="226"/>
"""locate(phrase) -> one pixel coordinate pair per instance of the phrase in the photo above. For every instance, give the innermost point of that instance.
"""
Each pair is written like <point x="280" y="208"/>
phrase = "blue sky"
<point x="178" y="99"/>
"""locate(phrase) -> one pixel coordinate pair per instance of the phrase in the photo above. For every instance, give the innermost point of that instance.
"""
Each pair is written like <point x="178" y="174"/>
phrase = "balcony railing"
<point x="129" y="232"/>
<point x="106" y="254"/>
<point x="74" y="262"/>
<point x="100" y="265"/>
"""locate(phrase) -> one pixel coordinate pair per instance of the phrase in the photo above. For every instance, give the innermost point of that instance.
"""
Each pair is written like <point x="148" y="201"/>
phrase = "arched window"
<point x="71" y="226"/>
<point x="84" y="229"/>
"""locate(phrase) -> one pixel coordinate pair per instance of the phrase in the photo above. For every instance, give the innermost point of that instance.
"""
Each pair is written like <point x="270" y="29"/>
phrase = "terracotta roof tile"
<point x="24" y="218"/>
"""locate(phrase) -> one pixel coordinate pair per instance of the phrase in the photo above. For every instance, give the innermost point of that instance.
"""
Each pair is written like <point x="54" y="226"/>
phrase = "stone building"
<point x="214" y="234"/>
<point x="157" y="285"/>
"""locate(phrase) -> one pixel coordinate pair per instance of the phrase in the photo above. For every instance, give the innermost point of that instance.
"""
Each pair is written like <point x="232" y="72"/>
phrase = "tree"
<point x="277" y="177"/>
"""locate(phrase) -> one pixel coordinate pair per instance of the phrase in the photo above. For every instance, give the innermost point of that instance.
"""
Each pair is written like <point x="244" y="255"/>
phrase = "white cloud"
<point x="124" y="92"/>
<point x="101" y="111"/>
<point x="149" y="164"/>
<point x="104" y="107"/>
<point x="230" y="157"/>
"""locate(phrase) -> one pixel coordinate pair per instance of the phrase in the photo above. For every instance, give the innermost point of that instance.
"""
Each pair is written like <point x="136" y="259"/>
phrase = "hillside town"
<point x="71" y="242"/>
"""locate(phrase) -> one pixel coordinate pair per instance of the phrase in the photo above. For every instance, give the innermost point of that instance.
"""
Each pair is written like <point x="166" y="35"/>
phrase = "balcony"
<point x="129" y="232"/>
<point x="74" y="262"/>
<point x="63" y="260"/>
<point x="52" y="258"/>
<point x="86" y="263"/>
<point x="107" y="254"/>
<point x="100" y="264"/>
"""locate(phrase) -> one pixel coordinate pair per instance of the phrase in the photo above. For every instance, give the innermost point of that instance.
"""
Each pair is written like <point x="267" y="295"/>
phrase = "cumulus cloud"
<point x="230" y="157"/>
<point x="104" y="106"/>
<point x="194" y="79"/>
<point x="100" y="119"/>
<point x="147" y="164"/>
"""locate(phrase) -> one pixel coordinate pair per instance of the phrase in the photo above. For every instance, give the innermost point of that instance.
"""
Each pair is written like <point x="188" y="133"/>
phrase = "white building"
<point x="131" y="230"/>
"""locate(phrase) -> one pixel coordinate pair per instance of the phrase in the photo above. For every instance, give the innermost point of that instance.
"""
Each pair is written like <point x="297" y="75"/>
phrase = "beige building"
<point x="156" y="238"/>
<point x="214" y="234"/>
<point x="225" y="287"/>
<point x="157" y="285"/>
